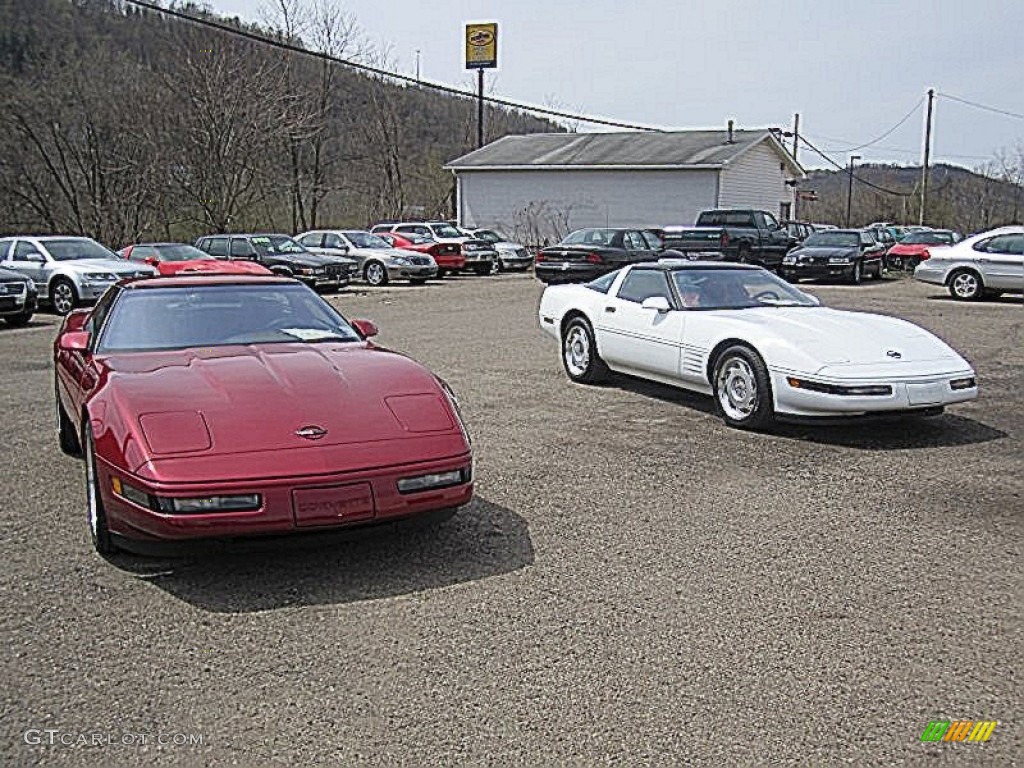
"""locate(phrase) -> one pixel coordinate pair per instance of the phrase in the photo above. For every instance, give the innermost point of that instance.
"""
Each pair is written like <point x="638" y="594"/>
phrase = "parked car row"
<point x="68" y="272"/>
<point x="981" y="266"/>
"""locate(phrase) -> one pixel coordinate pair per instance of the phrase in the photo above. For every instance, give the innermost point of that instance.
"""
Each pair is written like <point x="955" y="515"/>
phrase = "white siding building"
<point x="538" y="187"/>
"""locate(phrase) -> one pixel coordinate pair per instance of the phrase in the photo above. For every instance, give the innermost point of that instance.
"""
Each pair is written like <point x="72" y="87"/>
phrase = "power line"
<point x="891" y="130"/>
<point x="844" y="169"/>
<point x="282" y="45"/>
<point x="982" y="106"/>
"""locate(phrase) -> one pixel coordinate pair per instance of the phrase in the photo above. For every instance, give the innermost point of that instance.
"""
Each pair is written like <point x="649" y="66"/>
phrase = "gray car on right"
<point x="511" y="256"/>
<point x="987" y="264"/>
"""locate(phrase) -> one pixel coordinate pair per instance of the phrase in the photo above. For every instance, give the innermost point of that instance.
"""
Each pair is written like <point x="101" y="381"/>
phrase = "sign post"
<point x="481" y="54"/>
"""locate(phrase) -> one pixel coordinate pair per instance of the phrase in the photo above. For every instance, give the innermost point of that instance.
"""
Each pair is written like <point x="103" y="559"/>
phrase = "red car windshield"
<point x="219" y="315"/>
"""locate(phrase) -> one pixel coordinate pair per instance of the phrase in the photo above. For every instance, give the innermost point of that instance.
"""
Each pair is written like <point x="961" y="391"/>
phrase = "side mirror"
<point x="35" y="258"/>
<point x="658" y="303"/>
<point x="365" y="328"/>
<point x="76" y="320"/>
<point x="74" y="341"/>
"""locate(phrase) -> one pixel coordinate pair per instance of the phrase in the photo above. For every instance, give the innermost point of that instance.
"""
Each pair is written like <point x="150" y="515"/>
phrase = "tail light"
<point x="725" y="238"/>
<point x="540" y="256"/>
<point x="595" y="258"/>
<point x="925" y="254"/>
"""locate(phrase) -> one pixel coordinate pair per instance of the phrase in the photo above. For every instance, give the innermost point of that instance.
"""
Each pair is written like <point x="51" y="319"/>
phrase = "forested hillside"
<point x="959" y="199"/>
<point x="124" y="124"/>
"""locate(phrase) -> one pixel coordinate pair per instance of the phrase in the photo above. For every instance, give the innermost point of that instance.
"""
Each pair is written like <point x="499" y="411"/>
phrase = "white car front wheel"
<point x="742" y="388"/>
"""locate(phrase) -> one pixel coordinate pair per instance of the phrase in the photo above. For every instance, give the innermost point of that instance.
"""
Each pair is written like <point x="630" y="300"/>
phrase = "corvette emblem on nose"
<point x="312" y="432"/>
<point x="894" y="353"/>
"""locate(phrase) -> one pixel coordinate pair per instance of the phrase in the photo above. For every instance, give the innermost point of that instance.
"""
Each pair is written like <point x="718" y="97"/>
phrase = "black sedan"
<point x="847" y="254"/>
<point x="18" y="297"/>
<point x="589" y="253"/>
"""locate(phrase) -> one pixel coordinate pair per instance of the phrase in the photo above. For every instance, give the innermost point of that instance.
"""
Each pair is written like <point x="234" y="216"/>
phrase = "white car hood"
<point x="832" y="337"/>
<point x="107" y="265"/>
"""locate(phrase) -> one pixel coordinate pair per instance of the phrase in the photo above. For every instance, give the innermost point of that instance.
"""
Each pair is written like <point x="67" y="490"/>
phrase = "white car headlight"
<point x="99" y="276"/>
<point x="400" y="261"/>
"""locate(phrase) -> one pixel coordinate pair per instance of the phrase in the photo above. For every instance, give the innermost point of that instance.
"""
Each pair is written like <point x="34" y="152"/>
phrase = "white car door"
<point x="636" y="338"/>
<point x="1001" y="261"/>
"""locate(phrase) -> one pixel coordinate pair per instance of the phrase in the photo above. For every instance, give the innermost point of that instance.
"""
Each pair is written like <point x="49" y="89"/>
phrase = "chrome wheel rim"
<point x="737" y="388"/>
<point x="577" y="350"/>
<point x="375" y="274"/>
<point x="91" y="490"/>
<point x="63" y="298"/>
<point x="965" y="285"/>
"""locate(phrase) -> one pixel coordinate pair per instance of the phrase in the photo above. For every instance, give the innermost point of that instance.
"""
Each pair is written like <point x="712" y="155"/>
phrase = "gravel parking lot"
<point x="635" y="584"/>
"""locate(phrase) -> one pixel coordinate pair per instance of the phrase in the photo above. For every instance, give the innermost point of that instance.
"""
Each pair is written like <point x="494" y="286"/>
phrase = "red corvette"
<point x="213" y="407"/>
<point x="182" y="259"/>
<point x="448" y="256"/>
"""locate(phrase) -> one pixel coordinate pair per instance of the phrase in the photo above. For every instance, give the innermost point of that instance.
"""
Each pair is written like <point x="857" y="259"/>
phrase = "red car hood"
<point x="227" y="401"/>
<point x="212" y="267"/>
<point x="909" y="249"/>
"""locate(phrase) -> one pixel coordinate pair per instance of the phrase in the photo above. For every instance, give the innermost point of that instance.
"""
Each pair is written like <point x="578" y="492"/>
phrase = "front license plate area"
<point x="925" y="394"/>
<point x="332" y="505"/>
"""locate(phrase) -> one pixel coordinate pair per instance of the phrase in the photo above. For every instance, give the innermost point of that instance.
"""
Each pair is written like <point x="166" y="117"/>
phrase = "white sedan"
<point x="982" y="265"/>
<point x="761" y="347"/>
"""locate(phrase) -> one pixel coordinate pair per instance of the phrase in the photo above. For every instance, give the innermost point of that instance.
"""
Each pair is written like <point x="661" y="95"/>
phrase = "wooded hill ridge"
<point x="126" y="125"/>
<point x="959" y="199"/>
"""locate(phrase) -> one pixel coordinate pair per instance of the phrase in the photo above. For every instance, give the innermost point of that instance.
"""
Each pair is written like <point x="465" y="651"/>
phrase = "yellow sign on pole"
<point x="481" y="46"/>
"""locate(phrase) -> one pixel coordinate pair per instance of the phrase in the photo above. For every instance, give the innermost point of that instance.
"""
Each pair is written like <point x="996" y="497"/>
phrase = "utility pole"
<point x="479" y="108"/>
<point x="796" y="145"/>
<point x="796" y="134"/>
<point x="849" y="190"/>
<point x="417" y="66"/>
<point x="927" y="156"/>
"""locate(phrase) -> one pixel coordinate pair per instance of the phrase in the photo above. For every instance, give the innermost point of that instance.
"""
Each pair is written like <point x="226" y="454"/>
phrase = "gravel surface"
<point x="635" y="585"/>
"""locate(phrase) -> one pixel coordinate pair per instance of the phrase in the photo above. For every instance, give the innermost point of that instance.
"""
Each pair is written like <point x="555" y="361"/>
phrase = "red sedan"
<point x="448" y="256"/>
<point x="181" y="259"/>
<point x="212" y="407"/>
<point x="913" y="247"/>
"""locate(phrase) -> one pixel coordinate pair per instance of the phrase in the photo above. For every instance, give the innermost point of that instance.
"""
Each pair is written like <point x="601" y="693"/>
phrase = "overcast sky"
<point x="852" y="70"/>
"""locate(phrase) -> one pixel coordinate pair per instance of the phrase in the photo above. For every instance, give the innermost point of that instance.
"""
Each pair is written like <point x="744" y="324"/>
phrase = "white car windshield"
<point x="713" y="288"/>
<point x="74" y="248"/>
<point x="445" y="230"/>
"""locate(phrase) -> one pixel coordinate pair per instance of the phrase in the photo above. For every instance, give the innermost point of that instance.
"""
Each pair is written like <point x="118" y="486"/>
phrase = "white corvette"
<point x="762" y="348"/>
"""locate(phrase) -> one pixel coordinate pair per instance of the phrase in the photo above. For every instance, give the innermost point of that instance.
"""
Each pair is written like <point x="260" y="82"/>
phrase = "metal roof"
<point x="650" y="150"/>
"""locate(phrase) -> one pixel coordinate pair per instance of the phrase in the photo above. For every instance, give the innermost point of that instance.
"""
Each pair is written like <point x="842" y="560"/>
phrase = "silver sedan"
<point x="378" y="262"/>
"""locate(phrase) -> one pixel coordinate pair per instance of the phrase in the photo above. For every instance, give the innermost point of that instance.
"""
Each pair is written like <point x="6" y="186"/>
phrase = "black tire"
<point x="66" y="435"/>
<point x="742" y="388"/>
<point x="911" y="263"/>
<point x="743" y="254"/>
<point x="879" y="270"/>
<point x="17" y="321"/>
<point x="63" y="296"/>
<point x="580" y="359"/>
<point x="417" y="281"/>
<point x="99" y="533"/>
<point x="375" y="273"/>
<point x="441" y="273"/>
<point x="857" y="274"/>
<point x="483" y="270"/>
<point x="966" y="285"/>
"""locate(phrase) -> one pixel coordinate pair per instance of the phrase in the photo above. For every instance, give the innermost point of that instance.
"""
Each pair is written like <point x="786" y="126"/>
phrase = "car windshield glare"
<point x="190" y="317"/>
<point x="589" y="237"/>
<point x="181" y="252"/>
<point x="446" y="230"/>
<point x="736" y="289"/>
<point x="366" y="240"/>
<point x="833" y="239"/>
<point x="274" y="244"/>
<point x="927" y="238"/>
<point x="77" y="248"/>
